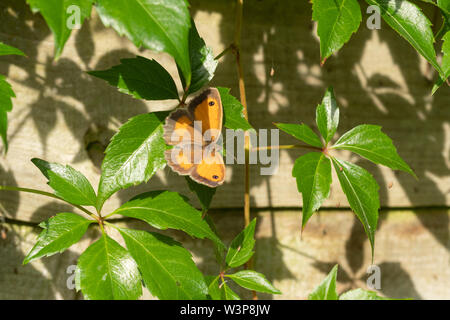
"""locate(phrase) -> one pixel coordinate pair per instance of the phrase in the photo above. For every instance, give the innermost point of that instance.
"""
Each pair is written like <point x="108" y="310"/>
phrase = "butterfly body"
<point x="194" y="133"/>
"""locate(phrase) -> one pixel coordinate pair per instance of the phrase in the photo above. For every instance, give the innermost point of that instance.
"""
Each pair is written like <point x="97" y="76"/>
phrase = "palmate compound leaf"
<point x="8" y="50"/>
<point x="337" y="21"/>
<point x="61" y="17"/>
<point x="167" y="209"/>
<point x="313" y="174"/>
<point x="6" y="95"/>
<point x="241" y="248"/>
<point x="107" y="271"/>
<point x="361" y="190"/>
<point x="326" y="290"/>
<point x="140" y="77"/>
<point x="407" y="19"/>
<point x="253" y="280"/>
<point x="60" y="232"/>
<point x="162" y="26"/>
<point x="68" y="183"/>
<point x="203" y="64"/>
<point x="134" y="154"/>
<point x="371" y="143"/>
<point x="327" y="115"/>
<point x="301" y="132"/>
<point x="167" y="268"/>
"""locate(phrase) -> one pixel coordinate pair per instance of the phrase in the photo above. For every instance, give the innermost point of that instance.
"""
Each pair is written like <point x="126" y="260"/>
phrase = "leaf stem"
<point x="48" y="194"/>
<point x="289" y="146"/>
<point x="225" y="51"/>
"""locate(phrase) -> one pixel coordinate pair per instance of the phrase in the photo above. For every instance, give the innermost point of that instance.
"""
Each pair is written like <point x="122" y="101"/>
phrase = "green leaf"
<point x="59" y="16"/>
<point x="68" y="183"/>
<point x="203" y="64"/>
<point x="408" y="20"/>
<point x="7" y="50"/>
<point x="313" y="174"/>
<point x="369" y="142"/>
<point x="60" y="232"/>
<point x="161" y="26"/>
<point x="167" y="209"/>
<point x="361" y="190"/>
<point x="301" y="132"/>
<point x="140" y="77"/>
<point x="228" y="294"/>
<point x="445" y="62"/>
<point x="220" y="291"/>
<point x="213" y="287"/>
<point x="233" y="111"/>
<point x="360" y="294"/>
<point x="253" y="280"/>
<point x="241" y="248"/>
<point x="134" y="154"/>
<point x="444" y="7"/>
<point x="326" y="290"/>
<point x="6" y="95"/>
<point x="204" y="193"/>
<point x="337" y="20"/>
<point x="166" y="267"/>
<point x="106" y="271"/>
<point x="327" y="115"/>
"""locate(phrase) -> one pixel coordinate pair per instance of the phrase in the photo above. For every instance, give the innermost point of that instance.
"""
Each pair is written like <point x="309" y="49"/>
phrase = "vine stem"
<point x="289" y="146"/>
<point x="236" y="46"/>
<point x="48" y="194"/>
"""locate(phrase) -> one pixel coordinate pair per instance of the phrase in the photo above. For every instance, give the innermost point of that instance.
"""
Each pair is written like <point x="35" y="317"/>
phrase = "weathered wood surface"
<point x="378" y="79"/>
<point x="412" y="251"/>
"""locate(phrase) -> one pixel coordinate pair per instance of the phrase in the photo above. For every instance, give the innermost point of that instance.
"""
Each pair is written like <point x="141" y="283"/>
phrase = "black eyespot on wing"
<point x="211" y="103"/>
<point x="215" y="177"/>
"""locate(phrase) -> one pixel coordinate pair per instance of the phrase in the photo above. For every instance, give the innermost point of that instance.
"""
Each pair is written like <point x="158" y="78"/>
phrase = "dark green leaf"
<point x="233" y="111"/>
<point x="409" y="21"/>
<point x="445" y="62"/>
<point x="6" y="94"/>
<point x="301" y="132"/>
<point x="313" y="174"/>
<point x="204" y="193"/>
<point x="327" y="115"/>
<point x="241" y="248"/>
<point x="360" y="294"/>
<point x="326" y="290"/>
<point x="140" y="77"/>
<point x="253" y="280"/>
<point x="369" y="142"/>
<point x="134" y="154"/>
<point x="59" y="17"/>
<point x="166" y="209"/>
<point x="167" y="268"/>
<point x="106" y="271"/>
<point x="7" y="50"/>
<point x="60" y="232"/>
<point x="444" y="7"/>
<point x="337" y="20"/>
<point x="68" y="183"/>
<point x="202" y="61"/>
<point x="361" y="190"/>
<point x="162" y="26"/>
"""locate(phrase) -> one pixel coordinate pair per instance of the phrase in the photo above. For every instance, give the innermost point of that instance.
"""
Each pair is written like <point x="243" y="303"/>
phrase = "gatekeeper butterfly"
<point x="194" y="132"/>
